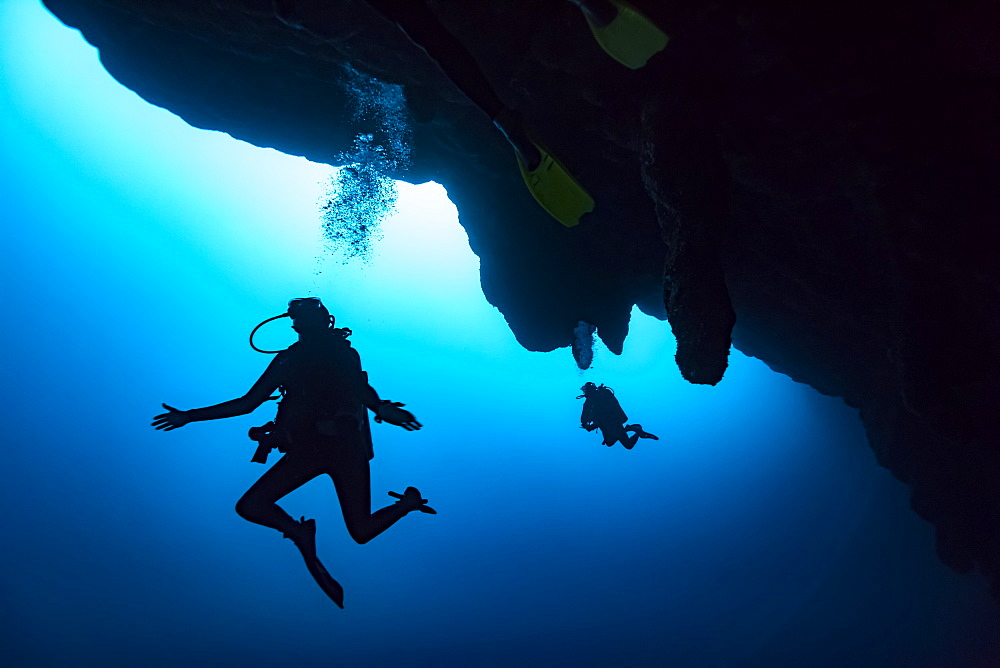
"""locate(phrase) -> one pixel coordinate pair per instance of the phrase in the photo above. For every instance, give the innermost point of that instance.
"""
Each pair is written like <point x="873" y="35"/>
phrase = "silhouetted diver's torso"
<point x="601" y="409"/>
<point x="322" y="384"/>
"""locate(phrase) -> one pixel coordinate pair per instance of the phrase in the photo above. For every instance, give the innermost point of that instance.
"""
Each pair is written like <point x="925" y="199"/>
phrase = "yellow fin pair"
<point x="632" y="40"/>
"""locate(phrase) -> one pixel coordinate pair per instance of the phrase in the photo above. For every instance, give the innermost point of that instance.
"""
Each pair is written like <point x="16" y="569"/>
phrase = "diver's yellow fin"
<point x="631" y="38"/>
<point x="556" y="190"/>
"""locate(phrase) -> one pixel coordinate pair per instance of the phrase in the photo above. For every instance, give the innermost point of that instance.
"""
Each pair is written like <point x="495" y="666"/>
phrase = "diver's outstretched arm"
<point x="173" y="419"/>
<point x="258" y="394"/>
<point x="176" y="418"/>
<point x="385" y="411"/>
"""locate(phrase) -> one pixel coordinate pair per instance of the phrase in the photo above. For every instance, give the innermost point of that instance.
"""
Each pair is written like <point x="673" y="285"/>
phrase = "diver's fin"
<point x="549" y="181"/>
<point x="413" y="498"/>
<point x="305" y="539"/>
<point x="631" y="38"/>
<point x="555" y="189"/>
<point x="637" y="428"/>
<point x="325" y="581"/>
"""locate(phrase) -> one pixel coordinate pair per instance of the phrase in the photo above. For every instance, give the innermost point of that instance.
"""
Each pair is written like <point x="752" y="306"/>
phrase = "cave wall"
<point x="817" y="183"/>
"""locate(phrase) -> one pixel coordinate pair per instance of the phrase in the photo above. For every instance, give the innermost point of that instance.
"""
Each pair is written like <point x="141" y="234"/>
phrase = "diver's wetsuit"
<point x="323" y="415"/>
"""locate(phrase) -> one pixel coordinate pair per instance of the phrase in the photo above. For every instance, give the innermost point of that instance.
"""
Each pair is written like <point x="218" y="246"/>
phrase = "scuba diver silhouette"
<point x="601" y="410"/>
<point x="322" y="427"/>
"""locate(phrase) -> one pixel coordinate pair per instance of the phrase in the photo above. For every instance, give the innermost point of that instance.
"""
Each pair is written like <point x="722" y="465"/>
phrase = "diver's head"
<point x="309" y="316"/>
<point x="588" y="387"/>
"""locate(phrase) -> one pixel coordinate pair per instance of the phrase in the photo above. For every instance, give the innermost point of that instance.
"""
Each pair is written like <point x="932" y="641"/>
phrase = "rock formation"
<point x="825" y="176"/>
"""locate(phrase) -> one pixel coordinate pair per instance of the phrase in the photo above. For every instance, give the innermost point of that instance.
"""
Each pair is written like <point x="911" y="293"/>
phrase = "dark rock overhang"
<point x="826" y="173"/>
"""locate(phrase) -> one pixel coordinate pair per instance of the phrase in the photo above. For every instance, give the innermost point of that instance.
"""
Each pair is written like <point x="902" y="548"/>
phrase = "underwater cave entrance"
<point x="761" y="511"/>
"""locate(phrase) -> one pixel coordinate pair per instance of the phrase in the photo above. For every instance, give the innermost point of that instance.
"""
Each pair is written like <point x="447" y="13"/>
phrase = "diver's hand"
<point x="172" y="420"/>
<point x="393" y="413"/>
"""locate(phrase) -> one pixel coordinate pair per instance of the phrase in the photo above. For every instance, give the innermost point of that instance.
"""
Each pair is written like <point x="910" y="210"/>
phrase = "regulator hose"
<point x="266" y="352"/>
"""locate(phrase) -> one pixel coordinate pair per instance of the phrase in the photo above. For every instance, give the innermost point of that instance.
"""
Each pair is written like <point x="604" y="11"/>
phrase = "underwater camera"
<point x="268" y="438"/>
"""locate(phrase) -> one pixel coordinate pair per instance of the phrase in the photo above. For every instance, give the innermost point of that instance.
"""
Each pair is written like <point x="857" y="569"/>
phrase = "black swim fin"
<point x="305" y="540"/>
<point x="412" y="497"/>
<point x="640" y="432"/>
<point x="325" y="581"/>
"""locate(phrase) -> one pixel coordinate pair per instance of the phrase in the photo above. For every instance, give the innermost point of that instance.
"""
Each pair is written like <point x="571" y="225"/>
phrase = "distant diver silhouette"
<point x="601" y="410"/>
<point x="322" y="427"/>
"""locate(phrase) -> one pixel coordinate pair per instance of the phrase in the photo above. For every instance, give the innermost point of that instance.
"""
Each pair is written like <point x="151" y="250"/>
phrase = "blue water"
<point x="139" y="252"/>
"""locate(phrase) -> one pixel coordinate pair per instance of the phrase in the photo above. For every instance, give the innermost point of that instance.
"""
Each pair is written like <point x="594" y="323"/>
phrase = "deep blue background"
<point x="139" y="252"/>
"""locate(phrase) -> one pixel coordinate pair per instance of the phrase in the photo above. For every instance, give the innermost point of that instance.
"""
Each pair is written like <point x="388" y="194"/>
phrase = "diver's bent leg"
<point x="425" y="30"/>
<point x="616" y="434"/>
<point x="640" y="432"/>
<point x="258" y="505"/>
<point x="352" y="478"/>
